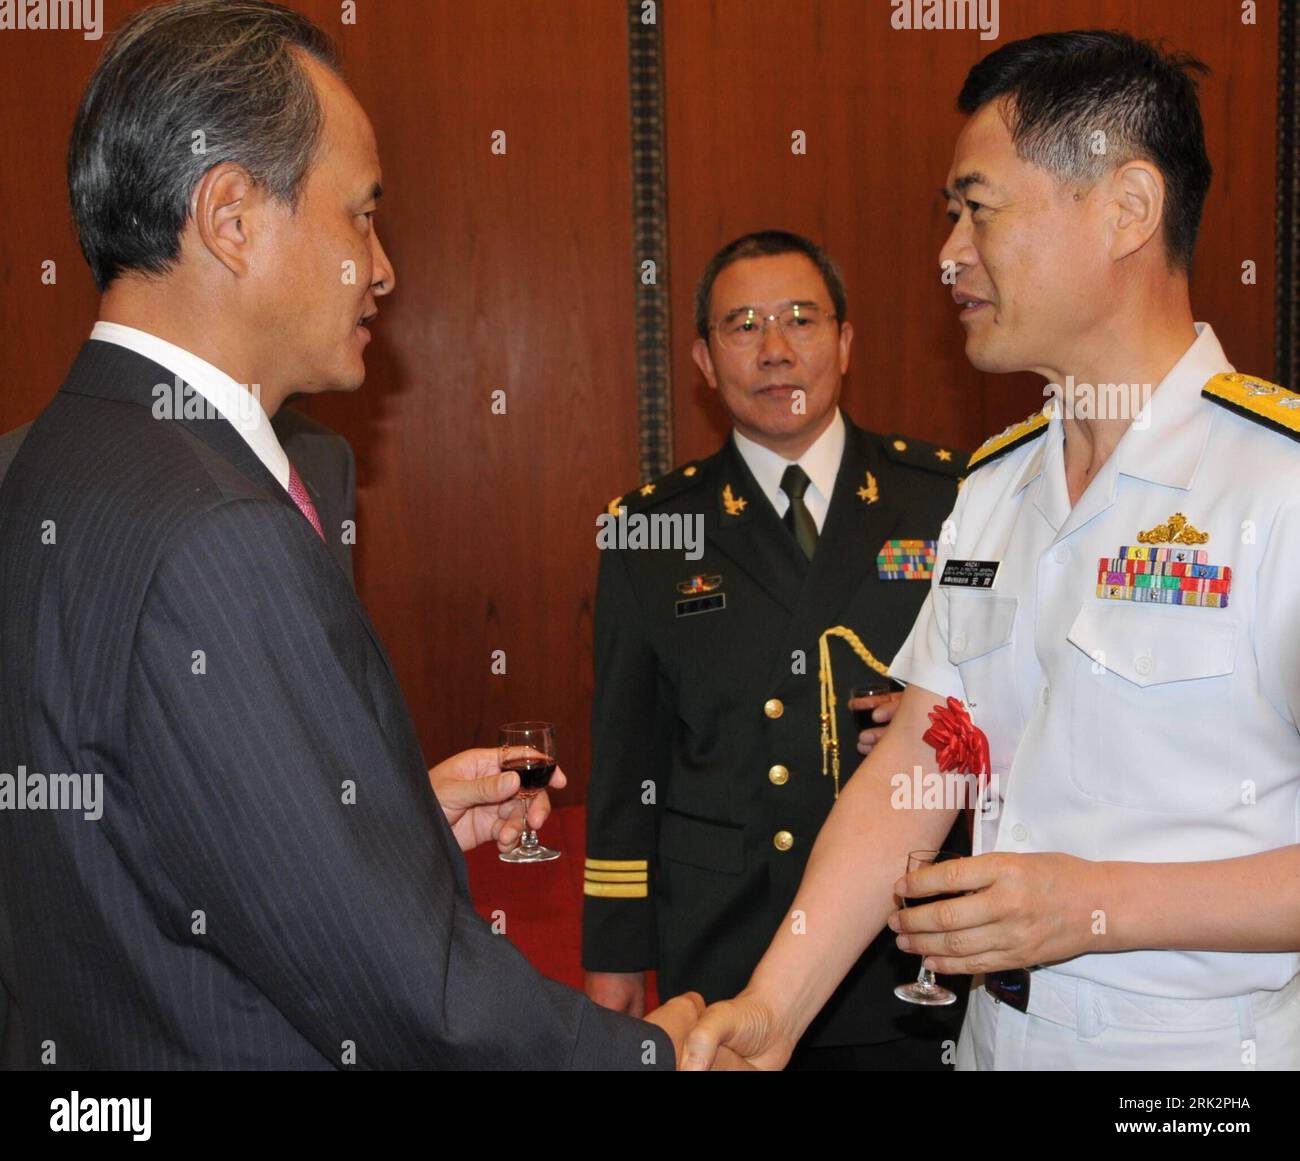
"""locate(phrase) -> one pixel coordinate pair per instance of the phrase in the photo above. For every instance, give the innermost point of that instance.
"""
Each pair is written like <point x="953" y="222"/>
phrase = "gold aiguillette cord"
<point x="830" y="727"/>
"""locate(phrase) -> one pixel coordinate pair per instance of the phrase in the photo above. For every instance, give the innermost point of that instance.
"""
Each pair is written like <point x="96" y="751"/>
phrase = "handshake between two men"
<point x="481" y="805"/>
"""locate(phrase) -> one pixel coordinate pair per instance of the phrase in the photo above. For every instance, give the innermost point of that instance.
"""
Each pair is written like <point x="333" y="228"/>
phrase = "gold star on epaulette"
<point x="656" y="491"/>
<point x="944" y="454"/>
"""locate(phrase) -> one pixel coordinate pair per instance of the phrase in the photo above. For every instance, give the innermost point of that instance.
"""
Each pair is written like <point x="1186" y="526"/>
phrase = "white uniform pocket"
<point x="978" y="623"/>
<point x="1155" y="678"/>
<point x="981" y="631"/>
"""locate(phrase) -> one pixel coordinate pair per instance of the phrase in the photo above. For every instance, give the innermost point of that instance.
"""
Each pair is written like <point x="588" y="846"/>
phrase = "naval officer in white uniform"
<point x="1113" y="605"/>
<point x="1177" y="707"/>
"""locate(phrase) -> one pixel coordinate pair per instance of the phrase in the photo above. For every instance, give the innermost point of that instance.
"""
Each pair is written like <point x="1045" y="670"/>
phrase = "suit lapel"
<point x="748" y="530"/>
<point x="855" y="528"/>
<point x="222" y="438"/>
<point x="331" y="519"/>
<point x="108" y="371"/>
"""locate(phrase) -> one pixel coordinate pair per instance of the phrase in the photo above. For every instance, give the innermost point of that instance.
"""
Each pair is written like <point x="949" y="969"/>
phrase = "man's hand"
<point x="678" y="1016"/>
<point x="619" y="991"/>
<point x="1024" y="910"/>
<point x="736" y="1034"/>
<point x="479" y="799"/>
<point x="884" y="705"/>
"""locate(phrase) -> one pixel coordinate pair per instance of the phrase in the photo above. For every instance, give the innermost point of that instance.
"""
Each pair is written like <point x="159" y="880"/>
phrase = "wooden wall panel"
<point x="42" y="324"/>
<point x="515" y="273"/>
<point x="876" y="104"/>
<point x="476" y="531"/>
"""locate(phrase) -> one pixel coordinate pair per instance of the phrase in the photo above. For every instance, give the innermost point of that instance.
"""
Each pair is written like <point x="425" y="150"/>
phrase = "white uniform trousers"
<point x="1075" y="1024"/>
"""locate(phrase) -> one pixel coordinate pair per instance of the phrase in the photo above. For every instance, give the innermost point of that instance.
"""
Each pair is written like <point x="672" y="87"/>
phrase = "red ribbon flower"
<point x="959" y="744"/>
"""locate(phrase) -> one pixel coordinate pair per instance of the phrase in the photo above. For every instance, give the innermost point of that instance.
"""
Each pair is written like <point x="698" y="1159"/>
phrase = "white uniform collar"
<point x="1165" y="441"/>
<point x="238" y="406"/>
<point x="821" y="462"/>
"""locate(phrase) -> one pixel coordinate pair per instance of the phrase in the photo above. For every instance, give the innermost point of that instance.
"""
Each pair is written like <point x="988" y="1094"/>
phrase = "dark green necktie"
<point x="794" y="483"/>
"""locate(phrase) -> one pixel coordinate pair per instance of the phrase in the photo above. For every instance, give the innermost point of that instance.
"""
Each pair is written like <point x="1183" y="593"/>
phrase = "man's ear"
<point x="704" y="360"/>
<point x="1138" y="190"/>
<point x="224" y="208"/>
<point x="846" y="341"/>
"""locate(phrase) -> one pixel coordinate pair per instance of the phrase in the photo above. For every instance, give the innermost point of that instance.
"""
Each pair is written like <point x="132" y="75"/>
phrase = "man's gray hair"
<point x="181" y="88"/>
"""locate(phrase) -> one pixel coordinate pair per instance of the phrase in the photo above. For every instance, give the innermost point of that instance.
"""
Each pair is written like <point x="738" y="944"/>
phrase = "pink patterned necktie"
<point x="298" y="493"/>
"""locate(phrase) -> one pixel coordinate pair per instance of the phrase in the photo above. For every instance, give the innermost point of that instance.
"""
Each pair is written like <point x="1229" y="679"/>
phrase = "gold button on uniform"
<point x="783" y="840"/>
<point x="774" y="707"/>
<point x="779" y="775"/>
<point x="900" y="445"/>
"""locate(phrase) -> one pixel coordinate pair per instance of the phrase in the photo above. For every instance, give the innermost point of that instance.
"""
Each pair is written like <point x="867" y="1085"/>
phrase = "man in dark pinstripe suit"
<point x="328" y="469"/>
<point x="323" y="457"/>
<point x="267" y="881"/>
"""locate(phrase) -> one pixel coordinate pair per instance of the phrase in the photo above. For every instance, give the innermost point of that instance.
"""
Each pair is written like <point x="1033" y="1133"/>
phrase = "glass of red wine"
<point x="873" y="687"/>
<point x="924" y="990"/>
<point x="528" y="748"/>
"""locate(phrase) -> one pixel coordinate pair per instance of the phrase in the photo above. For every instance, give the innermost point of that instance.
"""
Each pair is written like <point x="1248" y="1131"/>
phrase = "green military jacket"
<point x="707" y="790"/>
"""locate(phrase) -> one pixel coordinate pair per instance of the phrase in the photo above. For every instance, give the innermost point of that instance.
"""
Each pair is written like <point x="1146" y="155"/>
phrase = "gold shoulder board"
<point x="1012" y="437"/>
<point x="1258" y="400"/>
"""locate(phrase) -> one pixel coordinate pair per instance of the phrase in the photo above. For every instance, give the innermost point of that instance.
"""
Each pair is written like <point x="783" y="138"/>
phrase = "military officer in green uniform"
<point x="716" y="751"/>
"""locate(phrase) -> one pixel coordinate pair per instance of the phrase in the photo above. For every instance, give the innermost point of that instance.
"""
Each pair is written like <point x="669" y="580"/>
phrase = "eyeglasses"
<point x="801" y="326"/>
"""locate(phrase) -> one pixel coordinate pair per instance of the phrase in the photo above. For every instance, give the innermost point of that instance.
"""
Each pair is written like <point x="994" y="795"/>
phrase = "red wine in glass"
<point x="533" y="775"/>
<point x="871" y="688"/>
<point x="924" y="989"/>
<point x="528" y="748"/>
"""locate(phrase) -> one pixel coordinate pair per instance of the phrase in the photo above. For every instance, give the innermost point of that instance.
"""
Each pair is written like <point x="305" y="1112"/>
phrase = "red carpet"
<point x="542" y="903"/>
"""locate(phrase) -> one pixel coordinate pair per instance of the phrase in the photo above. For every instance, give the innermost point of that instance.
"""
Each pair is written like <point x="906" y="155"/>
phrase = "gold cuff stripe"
<point x="617" y="877"/>
<point x="617" y="890"/>
<point x="618" y="864"/>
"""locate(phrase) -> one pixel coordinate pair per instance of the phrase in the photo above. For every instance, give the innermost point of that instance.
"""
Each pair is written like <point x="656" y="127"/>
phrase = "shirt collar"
<point x="1164" y="443"/>
<point x="821" y="461"/>
<point x="238" y="406"/>
<point x="1034" y="464"/>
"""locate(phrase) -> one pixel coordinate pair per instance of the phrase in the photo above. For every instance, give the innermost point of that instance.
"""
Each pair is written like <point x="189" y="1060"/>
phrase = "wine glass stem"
<point x="925" y="977"/>
<point x="528" y="837"/>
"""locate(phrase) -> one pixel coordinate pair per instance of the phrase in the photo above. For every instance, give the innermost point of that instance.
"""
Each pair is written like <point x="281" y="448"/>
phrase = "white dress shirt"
<point x="821" y="462"/>
<point x="236" y="404"/>
<point x="1121" y="730"/>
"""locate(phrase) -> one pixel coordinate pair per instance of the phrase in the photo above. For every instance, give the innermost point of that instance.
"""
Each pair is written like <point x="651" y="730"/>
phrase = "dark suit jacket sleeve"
<point x="631" y="746"/>
<point x="353" y="919"/>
